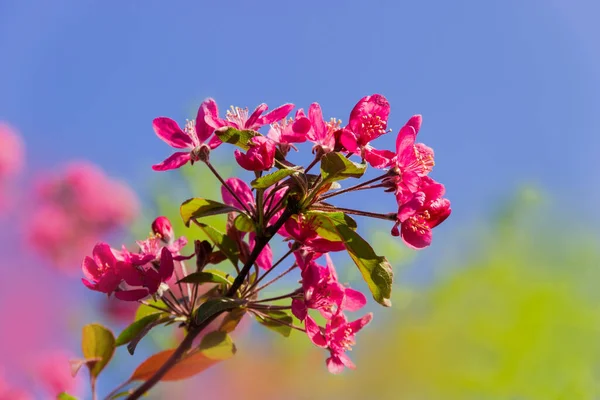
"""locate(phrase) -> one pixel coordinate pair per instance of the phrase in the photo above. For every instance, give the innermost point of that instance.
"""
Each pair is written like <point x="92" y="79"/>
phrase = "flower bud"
<point x="163" y="229"/>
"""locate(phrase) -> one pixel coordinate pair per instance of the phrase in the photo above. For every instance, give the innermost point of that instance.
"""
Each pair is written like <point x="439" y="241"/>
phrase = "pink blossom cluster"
<point x="284" y="201"/>
<point x="134" y="276"/>
<point x="12" y="155"/>
<point x="75" y="207"/>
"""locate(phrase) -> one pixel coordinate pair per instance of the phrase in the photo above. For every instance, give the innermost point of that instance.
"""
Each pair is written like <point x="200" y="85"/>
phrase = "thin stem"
<point x="93" y="385"/>
<point x="185" y="300"/>
<point x="387" y="217"/>
<point x="290" y="251"/>
<point x="283" y="296"/>
<point x="215" y="173"/>
<point x="117" y="389"/>
<point x="265" y="316"/>
<point x="278" y="277"/>
<point x="313" y="163"/>
<point x="355" y="187"/>
<point x="188" y="286"/>
<point x="262" y="307"/>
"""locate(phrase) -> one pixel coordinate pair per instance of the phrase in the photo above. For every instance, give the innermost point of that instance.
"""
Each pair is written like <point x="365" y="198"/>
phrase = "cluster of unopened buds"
<point x="284" y="201"/>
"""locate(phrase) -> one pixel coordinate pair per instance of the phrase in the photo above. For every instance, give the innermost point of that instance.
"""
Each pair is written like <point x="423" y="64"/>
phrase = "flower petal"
<point x="415" y="238"/>
<point x="314" y="332"/>
<point x="169" y="131"/>
<point x="353" y="300"/>
<point x="173" y="162"/>
<point x="241" y="190"/>
<point x="167" y="266"/>
<point x="131" y="295"/>
<point x="276" y="115"/>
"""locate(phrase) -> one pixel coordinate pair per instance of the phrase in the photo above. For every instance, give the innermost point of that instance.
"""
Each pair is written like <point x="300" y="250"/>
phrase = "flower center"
<point x="237" y="115"/>
<point x="372" y="126"/>
<point x="419" y="223"/>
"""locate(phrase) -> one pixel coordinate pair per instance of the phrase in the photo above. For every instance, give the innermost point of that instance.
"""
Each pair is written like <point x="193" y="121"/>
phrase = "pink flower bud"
<point x="163" y="229"/>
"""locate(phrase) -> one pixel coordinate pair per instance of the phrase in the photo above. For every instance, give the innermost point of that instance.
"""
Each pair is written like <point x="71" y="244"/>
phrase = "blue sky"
<point x="508" y="89"/>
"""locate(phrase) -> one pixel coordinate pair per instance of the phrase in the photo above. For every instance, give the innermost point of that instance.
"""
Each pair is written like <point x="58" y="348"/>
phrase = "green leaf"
<point x="235" y="136"/>
<point x="97" y="341"/>
<point x="143" y="330"/>
<point x="65" y="396"/>
<point x="215" y="306"/>
<point x="144" y="310"/>
<point x="217" y="346"/>
<point x="198" y="208"/>
<point x="213" y="276"/>
<point x="278" y="321"/>
<point x="223" y="242"/>
<point x="243" y="223"/>
<point x="232" y="319"/>
<point x="325" y="223"/>
<point x="269" y="180"/>
<point x="376" y="270"/>
<point x="135" y="328"/>
<point x="335" y="167"/>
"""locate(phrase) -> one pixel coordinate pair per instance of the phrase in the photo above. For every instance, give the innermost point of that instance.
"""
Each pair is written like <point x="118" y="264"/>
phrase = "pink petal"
<point x="89" y="285"/>
<point x="301" y="126"/>
<point x="214" y="142"/>
<point x="353" y="300"/>
<point x="314" y="332"/>
<point x="132" y="295"/>
<point x="245" y="162"/>
<point x="319" y="129"/>
<point x="241" y="190"/>
<point x="90" y="269"/>
<point x="299" y="309"/>
<point x="404" y="145"/>
<point x="203" y="129"/>
<point x="167" y="266"/>
<point x="335" y="365"/>
<point x="169" y="131"/>
<point x="417" y="238"/>
<point x="173" y="162"/>
<point x="132" y="275"/>
<point x="211" y="114"/>
<point x="103" y="254"/>
<point x="378" y="158"/>
<point x="415" y="121"/>
<point x="253" y="121"/>
<point x="360" y="323"/>
<point x="277" y="114"/>
<point x="411" y="207"/>
<point x="349" y="141"/>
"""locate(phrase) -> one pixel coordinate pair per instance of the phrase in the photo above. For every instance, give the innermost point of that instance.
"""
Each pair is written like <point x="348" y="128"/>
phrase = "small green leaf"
<point x="217" y="346"/>
<point x="223" y="242"/>
<point x="143" y="330"/>
<point x="235" y="136"/>
<point x="198" y="208"/>
<point x="243" y="223"/>
<point x="269" y="180"/>
<point x="65" y="396"/>
<point x="97" y="341"/>
<point x="335" y="167"/>
<point x="144" y="310"/>
<point x="135" y="328"/>
<point x="215" y="306"/>
<point x="232" y="319"/>
<point x="278" y="321"/>
<point x="376" y="270"/>
<point x="213" y="276"/>
<point x="325" y="223"/>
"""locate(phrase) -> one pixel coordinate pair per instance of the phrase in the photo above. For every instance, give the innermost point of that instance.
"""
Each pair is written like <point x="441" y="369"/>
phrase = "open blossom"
<point x="239" y="118"/>
<point x="424" y="211"/>
<point x="145" y="279"/>
<point x="368" y="121"/>
<point x="337" y="337"/>
<point x="321" y="133"/>
<point x="259" y="157"/>
<point x="197" y="137"/>
<point x="412" y="162"/>
<point x="289" y="131"/>
<point x="101" y="271"/>
<point x="323" y="292"/>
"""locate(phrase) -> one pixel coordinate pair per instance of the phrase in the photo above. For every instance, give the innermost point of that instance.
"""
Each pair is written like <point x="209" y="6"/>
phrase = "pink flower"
<point x="321" y="133"/>
<point x="12" y="152"/>
<point x="238" y="117"/>
<point x="338" y="337"/>
<point x="260" y="155"/>
<point x="423" y="212"/>
<point x="412" y="161"/>
<point x="196" y="137"/>
<point x="324" y="293"/>
<point x="148" y="276"/>
<point x="101" y="271"/>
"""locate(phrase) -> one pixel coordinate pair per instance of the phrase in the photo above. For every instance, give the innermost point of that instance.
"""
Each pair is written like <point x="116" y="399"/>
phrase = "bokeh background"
<point x="503" y="305"/>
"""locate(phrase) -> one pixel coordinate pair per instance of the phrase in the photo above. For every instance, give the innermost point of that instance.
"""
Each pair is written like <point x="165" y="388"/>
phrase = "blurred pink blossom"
<point x="12" y="151"/>
<point x="53" y="373"/>
<point x="74" y="209"/>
